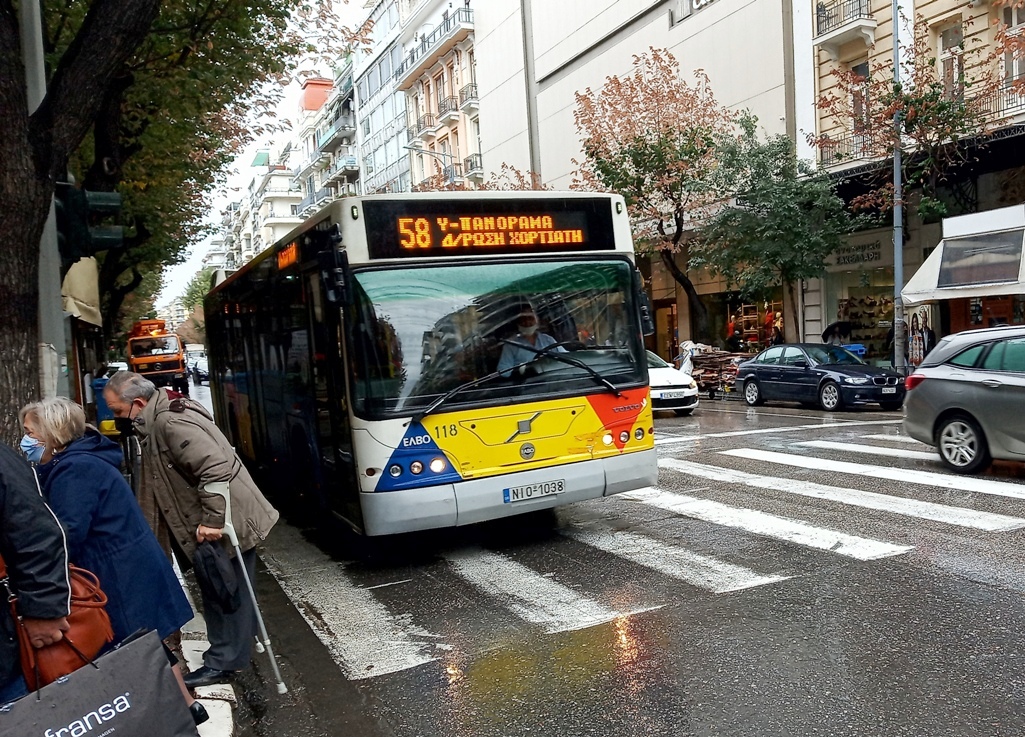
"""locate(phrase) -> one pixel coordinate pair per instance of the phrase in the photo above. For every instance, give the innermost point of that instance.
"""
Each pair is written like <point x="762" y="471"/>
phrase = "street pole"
<point x="450" y="169"/>
<point x="53" y="378"/>
<point x="899" y="334"/>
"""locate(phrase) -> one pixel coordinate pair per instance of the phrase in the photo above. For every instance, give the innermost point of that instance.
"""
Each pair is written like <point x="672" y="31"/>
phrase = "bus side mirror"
<point x="644" y="306"/>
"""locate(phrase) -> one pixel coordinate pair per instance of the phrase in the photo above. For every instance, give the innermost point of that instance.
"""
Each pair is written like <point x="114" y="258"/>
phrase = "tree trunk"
<point x="698" y="311"/>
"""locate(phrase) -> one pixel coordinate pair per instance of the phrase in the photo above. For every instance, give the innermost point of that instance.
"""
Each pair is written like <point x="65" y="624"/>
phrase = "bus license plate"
<point x="889" y="390"/>
<point x="533" y="491"/>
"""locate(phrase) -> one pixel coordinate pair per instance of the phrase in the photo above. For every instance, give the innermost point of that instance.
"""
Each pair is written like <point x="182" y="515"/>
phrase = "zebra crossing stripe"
<point x="917" y="455"/>
<point x="895" y="439"/>
<point x="711" y="574"/>
<point x="959" y="516"/>
<point x="361" y="635"/>
<point x="767" y="525"/>
<point x="666" y="439"/>
<point x="908" y="476"/>
<point x="532" y="596"/>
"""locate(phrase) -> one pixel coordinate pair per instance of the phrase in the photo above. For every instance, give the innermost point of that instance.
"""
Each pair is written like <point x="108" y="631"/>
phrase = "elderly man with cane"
<point x="203" y="493"/>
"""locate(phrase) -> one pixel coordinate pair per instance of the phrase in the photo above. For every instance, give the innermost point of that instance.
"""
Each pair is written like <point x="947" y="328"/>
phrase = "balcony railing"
<point x="1005" y="100"/>
<point x="452" y="172"/>
<point x="462" y="16"/>
<point x="314" y="199"/>
<point x="473" y="164"/>
<point x="830" y="16"/>
<point x="448" y="107"/>
<point x="468" y="95"/>
<point x="846" y="148"/>
<point x="425" y="124"/>
<point x="341" y="124"/>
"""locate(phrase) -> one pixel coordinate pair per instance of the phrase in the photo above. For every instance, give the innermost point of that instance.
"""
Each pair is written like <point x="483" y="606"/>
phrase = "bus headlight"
<point x="395" y="470"/>
<point x="607" y="439"/>
<point x="438" y="465"/>
<point x="416" y="467"/>
<point x="639" y="433"/>
<point x="624" y="436"/>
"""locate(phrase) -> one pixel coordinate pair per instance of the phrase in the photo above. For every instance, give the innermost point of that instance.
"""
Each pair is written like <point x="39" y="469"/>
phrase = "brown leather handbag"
<point x="89" y="632"/>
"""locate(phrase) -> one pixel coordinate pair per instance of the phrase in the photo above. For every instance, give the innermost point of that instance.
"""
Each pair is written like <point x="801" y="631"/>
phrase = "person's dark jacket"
<point x="108" y="535"/>
<point x="32" y="545"/>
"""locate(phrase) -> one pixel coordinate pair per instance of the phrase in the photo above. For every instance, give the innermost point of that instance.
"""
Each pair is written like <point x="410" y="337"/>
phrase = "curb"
<point x="219" y="699"/>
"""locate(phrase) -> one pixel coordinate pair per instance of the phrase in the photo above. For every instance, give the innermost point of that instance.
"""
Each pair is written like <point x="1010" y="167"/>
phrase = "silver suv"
<point x="967" y="399"/>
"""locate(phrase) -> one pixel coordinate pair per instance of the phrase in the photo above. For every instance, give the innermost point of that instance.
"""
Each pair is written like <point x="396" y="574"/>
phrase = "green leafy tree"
<point x="782" y="222"/>
<point x="197" y="289"/>
<point x="651" y="136"/>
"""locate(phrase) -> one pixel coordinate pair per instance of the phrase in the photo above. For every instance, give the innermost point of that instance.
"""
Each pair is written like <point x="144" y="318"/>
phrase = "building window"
<point x="952" y="61"/>
<point x="859" y="95"/>
<point x="679" y="11"/>
<point x="1014" y="63"/>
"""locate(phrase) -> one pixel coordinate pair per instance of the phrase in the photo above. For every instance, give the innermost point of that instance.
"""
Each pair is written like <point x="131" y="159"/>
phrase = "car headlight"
<point x="693" y="384"/>
<point x="855" y="380"/>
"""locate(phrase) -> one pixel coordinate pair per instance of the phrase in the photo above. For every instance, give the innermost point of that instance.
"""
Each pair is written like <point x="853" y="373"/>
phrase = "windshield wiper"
<point x="419" y="416"/>
<point x="547" y="351"/>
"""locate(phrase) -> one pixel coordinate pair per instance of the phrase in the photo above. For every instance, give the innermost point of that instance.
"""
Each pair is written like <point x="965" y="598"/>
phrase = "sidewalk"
<point x="218" y="699"/>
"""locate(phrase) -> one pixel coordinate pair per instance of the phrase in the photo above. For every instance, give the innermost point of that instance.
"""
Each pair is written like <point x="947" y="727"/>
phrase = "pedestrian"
<point x="80" y="473"/>
<point x="777" y="330"/>
<point x="191" y="466"/>
<point x="32" y="545"/>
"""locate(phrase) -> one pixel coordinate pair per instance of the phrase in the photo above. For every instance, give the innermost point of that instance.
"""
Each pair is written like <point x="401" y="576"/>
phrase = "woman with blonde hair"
<point x="80" y="473"/>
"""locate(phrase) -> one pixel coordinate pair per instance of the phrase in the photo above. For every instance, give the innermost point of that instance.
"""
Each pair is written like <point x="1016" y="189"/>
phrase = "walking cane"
<point x="229" y="529"/>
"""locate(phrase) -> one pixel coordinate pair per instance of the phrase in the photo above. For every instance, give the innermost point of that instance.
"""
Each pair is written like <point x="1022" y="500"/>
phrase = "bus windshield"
<point x="419" y="333"/>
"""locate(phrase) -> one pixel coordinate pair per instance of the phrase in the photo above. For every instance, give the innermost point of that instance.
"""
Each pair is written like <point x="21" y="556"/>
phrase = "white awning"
<point x="981" y="255"/>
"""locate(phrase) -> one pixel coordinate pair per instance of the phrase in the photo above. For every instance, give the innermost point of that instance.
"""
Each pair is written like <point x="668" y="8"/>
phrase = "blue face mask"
<point x="32" y="448"/>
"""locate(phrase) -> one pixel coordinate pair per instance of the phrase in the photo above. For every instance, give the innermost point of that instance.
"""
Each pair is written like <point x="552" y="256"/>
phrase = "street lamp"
<point x="899" y="333"/>
<point x="450" y="168"/>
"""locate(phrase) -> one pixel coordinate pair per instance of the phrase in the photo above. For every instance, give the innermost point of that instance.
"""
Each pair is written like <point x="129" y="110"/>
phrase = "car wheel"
<point x="752" y="393"/>
<point x="891" y="406"/>
<point x="962" y="445"/>
<point x="829" y="397"/>
<point x="684" y="412"/>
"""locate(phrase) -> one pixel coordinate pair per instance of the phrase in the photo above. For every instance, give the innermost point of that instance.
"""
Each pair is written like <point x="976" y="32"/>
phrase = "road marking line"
<point x="959" y="516"/>
<point x="924" y="478"/>
<point x="917" y="455"/>
<point x="530" y="595"/>
<point x="768" y="525"/>
<point x="766" y="430"/>
<point x="895" y="439"/>
<point x="711" y="574"/>
<point x="364" y="639"/>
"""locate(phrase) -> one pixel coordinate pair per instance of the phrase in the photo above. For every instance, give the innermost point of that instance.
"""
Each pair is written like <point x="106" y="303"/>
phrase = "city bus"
<point x="355" y="364"/>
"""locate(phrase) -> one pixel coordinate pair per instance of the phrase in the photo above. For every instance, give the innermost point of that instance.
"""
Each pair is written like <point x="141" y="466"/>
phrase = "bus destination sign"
<point x="440" y="228"/>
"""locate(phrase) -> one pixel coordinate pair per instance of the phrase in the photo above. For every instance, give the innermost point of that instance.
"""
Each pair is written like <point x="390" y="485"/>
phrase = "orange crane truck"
<point x="158" y="355"/>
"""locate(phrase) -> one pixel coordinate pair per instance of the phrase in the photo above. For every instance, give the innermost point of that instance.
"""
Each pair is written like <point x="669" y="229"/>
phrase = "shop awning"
<point x="81" y="291"/>
<point x="980" y="256"/>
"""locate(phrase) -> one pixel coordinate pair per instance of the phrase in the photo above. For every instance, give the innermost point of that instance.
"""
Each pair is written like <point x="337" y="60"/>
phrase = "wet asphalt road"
<point x="806" y="574"/>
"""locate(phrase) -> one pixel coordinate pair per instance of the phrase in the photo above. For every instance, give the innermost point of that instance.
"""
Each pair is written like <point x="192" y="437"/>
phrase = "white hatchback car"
<point x="671" y="389"/>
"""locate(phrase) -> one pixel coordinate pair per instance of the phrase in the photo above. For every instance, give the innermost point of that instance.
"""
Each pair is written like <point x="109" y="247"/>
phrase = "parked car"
<point x="671" y="389"/>
<point x="114" y="366"/>
<point x="200" y="371"/>
<point x="967" y="397"/>
<point x="813" y="373"/>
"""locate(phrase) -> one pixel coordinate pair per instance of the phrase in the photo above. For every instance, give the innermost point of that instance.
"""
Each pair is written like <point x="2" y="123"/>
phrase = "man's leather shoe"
<point x="206" y="676"/>
<point x="199" y="714"/>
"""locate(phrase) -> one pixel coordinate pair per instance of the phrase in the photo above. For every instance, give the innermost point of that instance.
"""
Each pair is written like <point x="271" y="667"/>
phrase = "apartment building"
<point x="381" y="108"/>
<point x="437" y="75"/>
<point x="856" y="36"/>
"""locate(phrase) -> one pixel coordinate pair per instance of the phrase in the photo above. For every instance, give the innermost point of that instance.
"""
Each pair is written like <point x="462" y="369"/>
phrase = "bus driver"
<point x="517" y="350"/>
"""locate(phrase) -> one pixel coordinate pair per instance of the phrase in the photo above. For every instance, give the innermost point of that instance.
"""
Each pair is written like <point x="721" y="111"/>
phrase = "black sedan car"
<point x="812" y="373"/>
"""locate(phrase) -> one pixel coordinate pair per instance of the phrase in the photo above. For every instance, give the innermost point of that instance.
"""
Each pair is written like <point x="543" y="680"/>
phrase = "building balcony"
<point x="430" y="48"/>
<point x="425" y="128"/>
<point x="448" y="110"/>
<point x="344" y="167"/>
<point x="473" y="167"/>
<point x="452" y="172"/>
<point x="468" y="100"/>
<point x="842" y="21"/>
<point x="310" y="202"/>
<point x="343" y="127"/>
<point x="309" y="165"/>
<point x="846" y="149"/>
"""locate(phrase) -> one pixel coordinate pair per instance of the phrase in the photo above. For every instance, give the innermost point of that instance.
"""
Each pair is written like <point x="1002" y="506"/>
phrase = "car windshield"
<point x="655" y="361"/>
<point x="420" y="333"/>
<point x="833" y="355"/>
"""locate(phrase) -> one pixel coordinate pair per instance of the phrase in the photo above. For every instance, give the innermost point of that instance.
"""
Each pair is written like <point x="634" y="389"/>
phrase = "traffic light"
<point x="86" y="222"/>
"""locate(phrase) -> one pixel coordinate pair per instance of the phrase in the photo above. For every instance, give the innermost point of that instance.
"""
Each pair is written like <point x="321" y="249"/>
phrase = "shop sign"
<point x="865" y="254"/>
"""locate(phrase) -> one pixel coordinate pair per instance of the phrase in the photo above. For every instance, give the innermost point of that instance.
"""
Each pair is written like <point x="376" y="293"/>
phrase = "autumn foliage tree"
<point x="650" y="136"/>
<point x="945" y="110"/>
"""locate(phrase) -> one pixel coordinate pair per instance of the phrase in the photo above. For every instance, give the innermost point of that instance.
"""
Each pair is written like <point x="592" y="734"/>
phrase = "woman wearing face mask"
<point x="79" y="472"/>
